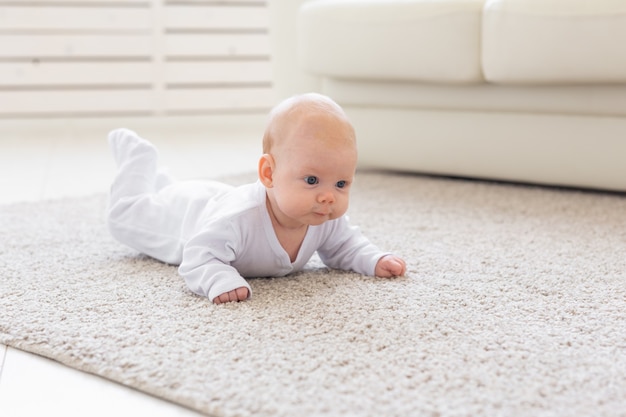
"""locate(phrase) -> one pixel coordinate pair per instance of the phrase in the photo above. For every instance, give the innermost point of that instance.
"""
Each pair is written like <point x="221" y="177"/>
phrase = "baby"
<point x="219" y="234"/>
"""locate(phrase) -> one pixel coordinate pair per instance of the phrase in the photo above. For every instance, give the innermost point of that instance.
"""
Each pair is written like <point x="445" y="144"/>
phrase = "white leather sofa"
<point x="516" y="90"/>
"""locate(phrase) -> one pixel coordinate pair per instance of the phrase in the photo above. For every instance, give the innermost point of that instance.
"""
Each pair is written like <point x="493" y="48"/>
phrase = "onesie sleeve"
<point x="345" y="247"/>
<point x="206" y="264"/>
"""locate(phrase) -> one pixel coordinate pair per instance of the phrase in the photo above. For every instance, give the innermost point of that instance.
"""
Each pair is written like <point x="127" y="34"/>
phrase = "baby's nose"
<point x="326" y="197"/>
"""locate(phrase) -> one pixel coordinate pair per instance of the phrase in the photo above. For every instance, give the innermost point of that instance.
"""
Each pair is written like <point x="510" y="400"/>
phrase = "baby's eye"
<point x="341" y="184"/>
<point x="311" y="180"/>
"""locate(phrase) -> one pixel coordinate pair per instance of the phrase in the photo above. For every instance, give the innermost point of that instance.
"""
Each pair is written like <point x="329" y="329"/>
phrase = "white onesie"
<point x="219" y="234"/>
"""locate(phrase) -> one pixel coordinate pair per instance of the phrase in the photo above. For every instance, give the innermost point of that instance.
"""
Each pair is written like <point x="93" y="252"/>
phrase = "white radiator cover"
<point x="100" y="58"/>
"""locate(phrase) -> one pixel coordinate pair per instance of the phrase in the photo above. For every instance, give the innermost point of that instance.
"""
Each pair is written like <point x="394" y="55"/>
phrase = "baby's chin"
<point x="317" y="219"/>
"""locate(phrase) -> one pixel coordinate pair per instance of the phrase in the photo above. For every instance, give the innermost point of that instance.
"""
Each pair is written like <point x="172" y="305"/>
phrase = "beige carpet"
<point x="514" y="305"/>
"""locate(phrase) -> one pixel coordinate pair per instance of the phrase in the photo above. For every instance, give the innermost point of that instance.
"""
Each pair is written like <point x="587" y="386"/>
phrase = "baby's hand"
<point x="238" y="294"/>
<point x="390" y="266"/>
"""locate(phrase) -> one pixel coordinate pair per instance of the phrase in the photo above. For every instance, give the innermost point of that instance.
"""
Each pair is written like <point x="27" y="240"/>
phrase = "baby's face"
<point x="313" y="175"/>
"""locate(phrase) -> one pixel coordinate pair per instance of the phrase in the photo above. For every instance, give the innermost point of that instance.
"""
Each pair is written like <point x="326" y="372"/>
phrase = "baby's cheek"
<point x="343" y="206"/>
<point x="337" y="214"/>
<point x="298" y="208"/>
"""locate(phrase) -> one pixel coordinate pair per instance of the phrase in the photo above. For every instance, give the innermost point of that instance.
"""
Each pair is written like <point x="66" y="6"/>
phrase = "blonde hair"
<point x="293" y="107"/>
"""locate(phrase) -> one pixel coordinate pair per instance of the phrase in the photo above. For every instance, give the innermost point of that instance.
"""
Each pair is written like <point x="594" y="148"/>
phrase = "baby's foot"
<point x="136" y="159"/>
<point x="126" y="145"/>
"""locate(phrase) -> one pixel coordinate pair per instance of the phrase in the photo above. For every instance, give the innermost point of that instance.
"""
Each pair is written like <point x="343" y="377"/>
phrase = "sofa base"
<point x="572" y="151"/>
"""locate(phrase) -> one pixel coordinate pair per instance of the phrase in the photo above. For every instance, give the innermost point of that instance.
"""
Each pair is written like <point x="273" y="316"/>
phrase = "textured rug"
<point x="514" y="305"/>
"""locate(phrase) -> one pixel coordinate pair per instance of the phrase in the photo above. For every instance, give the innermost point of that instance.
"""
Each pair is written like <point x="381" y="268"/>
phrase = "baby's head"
<point x="309" y="160"/>
<point x="307" y="110"/>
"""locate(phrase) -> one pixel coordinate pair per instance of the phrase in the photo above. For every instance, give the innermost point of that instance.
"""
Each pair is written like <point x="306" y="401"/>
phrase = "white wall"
<point x="96" y="58"/>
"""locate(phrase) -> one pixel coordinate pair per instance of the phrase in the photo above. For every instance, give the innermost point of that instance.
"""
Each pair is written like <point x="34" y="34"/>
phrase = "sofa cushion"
<point x="554" y="41"/>
<point x="415" y="40"/>
<point x="587" y="99"/>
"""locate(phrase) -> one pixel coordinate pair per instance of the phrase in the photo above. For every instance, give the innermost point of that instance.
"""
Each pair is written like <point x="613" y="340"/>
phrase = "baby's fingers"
<point x="239" y="294"/>
<point x="389" y="266"/>
<point x="396" y="266"/>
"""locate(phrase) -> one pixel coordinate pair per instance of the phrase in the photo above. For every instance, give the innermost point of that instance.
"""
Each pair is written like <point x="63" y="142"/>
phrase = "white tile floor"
<point x="58" y="158"/>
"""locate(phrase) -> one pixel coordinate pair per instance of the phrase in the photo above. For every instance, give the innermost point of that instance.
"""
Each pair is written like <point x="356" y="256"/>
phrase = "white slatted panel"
<point x="87" y="102"/>
<point x="61" y="18"/>
<point x="69" y="46"/>
<point x="195" y="100"/>
<point x="217" y="44"/>
<point x="151" y="57"/>
<point x="64" y="74"/>
<point x="217" y="73"/>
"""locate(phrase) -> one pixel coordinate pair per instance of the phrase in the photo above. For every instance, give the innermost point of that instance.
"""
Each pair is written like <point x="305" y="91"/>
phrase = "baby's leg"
<point x="163" y="179"/>
<point x="138" y="215"/>
<point x="136" y="159"/>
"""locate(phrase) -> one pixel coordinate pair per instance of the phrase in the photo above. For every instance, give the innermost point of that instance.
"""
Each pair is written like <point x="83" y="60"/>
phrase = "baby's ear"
<point x="266" y="170"/>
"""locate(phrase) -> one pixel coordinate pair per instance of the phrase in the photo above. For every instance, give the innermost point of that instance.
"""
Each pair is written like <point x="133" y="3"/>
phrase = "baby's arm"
<point x="347" y="248"/>
<point x="207" y="271"/>
<point x="219" y="282"/>
<point x="390" y="266"/>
